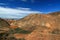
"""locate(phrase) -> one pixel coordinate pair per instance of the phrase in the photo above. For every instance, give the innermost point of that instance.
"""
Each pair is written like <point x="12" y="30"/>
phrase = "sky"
<point x="21" y="8"/>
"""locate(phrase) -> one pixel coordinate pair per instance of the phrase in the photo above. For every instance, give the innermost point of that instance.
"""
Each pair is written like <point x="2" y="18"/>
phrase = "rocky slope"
<point x="4" y="29"/>
<point x="35" y="27"/>
<point x="4" y="23"/>
<point x="46" y="25"/>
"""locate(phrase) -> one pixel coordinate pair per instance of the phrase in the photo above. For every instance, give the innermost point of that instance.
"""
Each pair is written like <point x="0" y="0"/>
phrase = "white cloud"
<point x="15" y="13"/>
<point x="22" y="8"/>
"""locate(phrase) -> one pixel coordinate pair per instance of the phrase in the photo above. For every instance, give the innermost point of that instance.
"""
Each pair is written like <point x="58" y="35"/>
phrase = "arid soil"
<point x="33" y="27"/>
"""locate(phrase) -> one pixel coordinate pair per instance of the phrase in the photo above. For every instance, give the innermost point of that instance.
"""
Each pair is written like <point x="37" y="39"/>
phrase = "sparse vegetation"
<point x="18" y="30"/>
<point x="56" y="31"/>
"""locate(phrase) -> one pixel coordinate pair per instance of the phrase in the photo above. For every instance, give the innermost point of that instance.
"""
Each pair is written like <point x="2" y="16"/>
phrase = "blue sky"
<point x="21" y="8"/>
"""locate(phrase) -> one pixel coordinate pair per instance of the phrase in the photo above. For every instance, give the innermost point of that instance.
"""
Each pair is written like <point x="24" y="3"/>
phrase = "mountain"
<point x="40" y="25"/>
<point x="55" y="13"/>
<point x="33" y="27"/>
<point x="4" y="23"/>
<point x="4" y="28"/>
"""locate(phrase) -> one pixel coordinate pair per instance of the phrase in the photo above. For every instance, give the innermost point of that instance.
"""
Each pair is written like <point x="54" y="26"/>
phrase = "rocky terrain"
<point x="34" y="27"/>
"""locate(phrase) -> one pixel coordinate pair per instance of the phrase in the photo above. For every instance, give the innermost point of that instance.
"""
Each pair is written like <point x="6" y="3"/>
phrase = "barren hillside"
<point x="46" y="25"/>
<point x="35" y="27"/>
